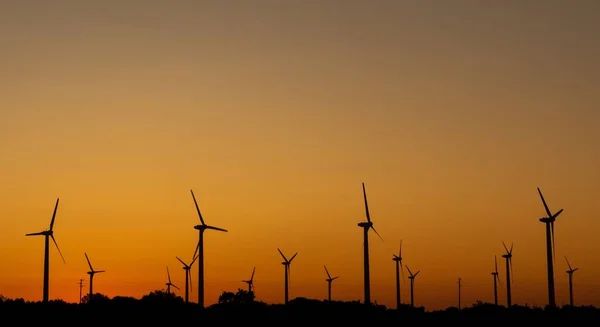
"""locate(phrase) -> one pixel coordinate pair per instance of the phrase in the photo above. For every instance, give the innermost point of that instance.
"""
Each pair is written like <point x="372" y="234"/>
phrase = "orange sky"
<point x="452" y="113"/>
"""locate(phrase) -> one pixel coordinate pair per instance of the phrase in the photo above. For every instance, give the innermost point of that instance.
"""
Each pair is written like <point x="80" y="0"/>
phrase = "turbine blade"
<point x="334" y="278"/>
<point x="189" y="273"/>
<point x="88" y="261"/>
<point x="496" y="264"/>
<point x="512" y="277"/>
<point x="417" y="273"/>
<point x="175" y="286"/>
<point x="568" y="264"/>
<point x="553" y="247"/>
<point x="216" y="228"/>
<point x="168" y="275"/>
<point x="99" y="271"/>
<point x="252" y="276"/>
<point x="56" y="244"/>
<point x="366" y="203"/>
<point x="181" y="261"/>
<point x="400" y="251"/>
<point x="197" y="208"/>
<point x="511" y="247"/>
<point x="326" y="271"/>
<point x="409" y="272"/>
<point x="557" y="213"/>
<point x="402" y="271"/>
<point x="545" y="205"/>
<point x="373" y="228"/>
<point x="292" y="258"/>
<point x="196" y="255"/>
<point x="505" y="248"/>
<point x="54" y="214"/>
<point x="284" y="258"/>
<point x="574" y="270"/>
<point x="34" y="234"/>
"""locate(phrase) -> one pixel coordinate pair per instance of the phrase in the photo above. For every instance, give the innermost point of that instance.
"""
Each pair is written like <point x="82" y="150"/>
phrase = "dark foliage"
<point x="159" y="306"/>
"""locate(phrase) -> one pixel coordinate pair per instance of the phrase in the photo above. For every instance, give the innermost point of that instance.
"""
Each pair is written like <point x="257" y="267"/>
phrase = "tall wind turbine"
<point x="286" y="265"/>
<point x="459" y="287"/>
<point x="496" y="280"/>
<point x="250" y="281"/>
<point x="188" y="275"/>
<point x="168" y="283"/>
<point x="398" y="259"/>
<point x="412" y="284"/>
<point x="508" y="257"/>
<point x="329" y="281"/>
<point x="92" y="272"/>
<point x="366" y="225"/>
<point x="48" y="234"/>
<point x="549" y="222"/>
<point x="201" y="228"/>
<point x="570" y="272"/>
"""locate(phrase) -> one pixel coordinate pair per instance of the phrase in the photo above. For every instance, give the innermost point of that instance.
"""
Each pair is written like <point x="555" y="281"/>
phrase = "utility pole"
<point x="80" y="288"/>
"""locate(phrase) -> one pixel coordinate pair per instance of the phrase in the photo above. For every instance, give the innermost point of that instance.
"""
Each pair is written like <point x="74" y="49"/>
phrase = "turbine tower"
<point x="92" y="272"/>
<point x="398" y="259"/>
<point x="570" y="272"/>
<point x="508" y="257"/>
<point x="549" y="222"/>
<point x="329" y="281"/>
<point x="201" y="228"/>
<point x="80" y="283"/>
<point x="188" y="275"/>
<point x="412" y="284"/>
<point x="366" y="225"/>
<point x="47" y="235"/>
<point x="250" y="281"/>
<point x="496" y="280"/>
<point x="286" y="265"/>
<point x="168" y="283"/>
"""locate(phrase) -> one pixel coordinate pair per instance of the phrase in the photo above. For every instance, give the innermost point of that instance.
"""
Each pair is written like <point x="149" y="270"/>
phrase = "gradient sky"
<point x="274" y="112"/>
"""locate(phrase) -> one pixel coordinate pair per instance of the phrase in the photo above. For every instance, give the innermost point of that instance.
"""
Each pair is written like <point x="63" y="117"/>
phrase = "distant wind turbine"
<point x="92" y="272"/>
<point x="550" y="249"/>
<point x="496" y="280"/>
<point x="188" y="275"/>
<point x="250" y="281"/>
<point x="169" y="283"/>
<point x="459" y="287"/>
<point x="286" y="265"/>
<point x="201" y="228"/>
<point x="412" y="285"/>
<point x="508" y="257"/>
<point x="398" y="259"/>
<point x="48" y="234"/>
<point x="570" y="272"/>
<point x="366" y="226"/>
<point x="329" y="281"/>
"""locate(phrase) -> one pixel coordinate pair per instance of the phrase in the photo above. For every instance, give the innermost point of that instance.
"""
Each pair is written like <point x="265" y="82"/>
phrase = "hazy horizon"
<point x="451" y="112"/>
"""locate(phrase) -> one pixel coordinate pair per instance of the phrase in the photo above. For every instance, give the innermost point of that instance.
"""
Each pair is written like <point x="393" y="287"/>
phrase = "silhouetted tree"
<point x="96" y="298"/>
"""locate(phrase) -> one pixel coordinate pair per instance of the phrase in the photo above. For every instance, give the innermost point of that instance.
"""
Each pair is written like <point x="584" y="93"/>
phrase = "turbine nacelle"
<point x="365" y="224"/>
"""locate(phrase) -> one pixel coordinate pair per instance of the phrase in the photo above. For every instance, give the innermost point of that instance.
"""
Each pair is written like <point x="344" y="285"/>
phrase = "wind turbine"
<point x="168" y="283"/>
<point x="201" y="228"/>
<point x="570" y="272"/>
<point x="48" y="234"/>
<point x="549" y="222"/>
<point x="366" y="225"/>
<point x="508" y="257"/>
<point x="286" y="264"/>
<point x="250" y="281"/>
<point x="92" y="272"/>
<point x="412" y="284"/>
<point x="398" y="259"/>
<point x="188" y="275"/>
<point x="496" y="280"/>
<point x="329" y="281"/>
<point x="459" y="286"/>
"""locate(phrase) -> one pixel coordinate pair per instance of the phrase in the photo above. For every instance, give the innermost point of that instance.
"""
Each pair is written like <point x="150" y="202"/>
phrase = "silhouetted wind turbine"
<point x="201" y="228"/>
<point x="329" y="281"/>
<point x="570" y="272"/>
<point x="508" y="257"/>
<point x="92" y="272"/>
<point x="366" y="225"/>
<point x="48" y="234"/>
<point x="188" y="275"/>
<point x="80" y="283"/>
<point x="496" y="280"/>
<point x="286" y="264"/>
<point x="459" y="286"/>
<point x="412" y="285"/>
<point x="250" y="281"/>
<point x="549" y="221"/>
<point x="398" y="259"/>
<point x="168" y="283"/>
